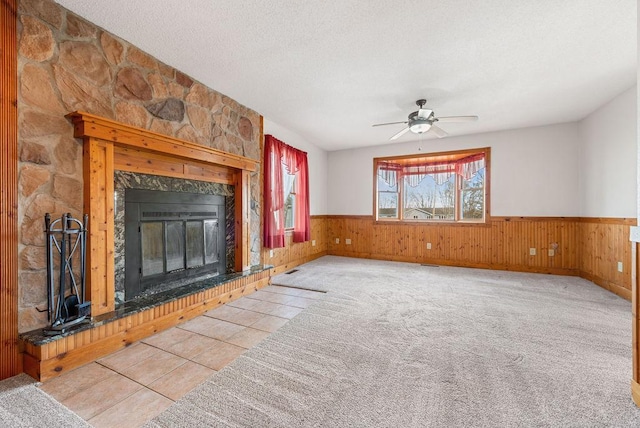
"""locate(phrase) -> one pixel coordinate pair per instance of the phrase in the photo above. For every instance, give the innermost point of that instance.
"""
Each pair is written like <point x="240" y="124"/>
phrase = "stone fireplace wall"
<point x="66" y="63"/>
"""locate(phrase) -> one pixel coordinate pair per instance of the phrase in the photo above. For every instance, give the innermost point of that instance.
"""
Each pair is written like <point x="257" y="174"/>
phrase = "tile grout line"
<point x="281" y="304"/>
<point x="145" y="387"/>
<point x="291" y="288"/>
<point x="123" y="399"/>
<point x="255" y="312"/>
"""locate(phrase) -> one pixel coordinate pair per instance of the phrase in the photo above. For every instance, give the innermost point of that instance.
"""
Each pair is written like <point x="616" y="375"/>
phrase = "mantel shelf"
<point x="122" y="135"/>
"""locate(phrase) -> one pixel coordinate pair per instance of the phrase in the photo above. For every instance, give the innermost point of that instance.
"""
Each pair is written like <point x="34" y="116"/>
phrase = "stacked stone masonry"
<point x="66" y="63"/>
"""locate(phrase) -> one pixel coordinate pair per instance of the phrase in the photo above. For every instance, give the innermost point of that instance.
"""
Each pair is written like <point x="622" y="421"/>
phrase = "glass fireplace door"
<point x="171" y="244"/>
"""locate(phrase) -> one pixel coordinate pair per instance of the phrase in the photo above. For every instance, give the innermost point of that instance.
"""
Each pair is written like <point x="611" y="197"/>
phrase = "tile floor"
<point x="132" y="386"/>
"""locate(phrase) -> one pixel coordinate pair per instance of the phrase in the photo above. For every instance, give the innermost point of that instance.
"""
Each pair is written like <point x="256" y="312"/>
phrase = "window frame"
<point x="436" y="157"/>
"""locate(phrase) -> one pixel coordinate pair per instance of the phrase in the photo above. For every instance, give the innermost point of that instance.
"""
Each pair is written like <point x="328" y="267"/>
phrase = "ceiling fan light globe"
<point x="419" y="126"/>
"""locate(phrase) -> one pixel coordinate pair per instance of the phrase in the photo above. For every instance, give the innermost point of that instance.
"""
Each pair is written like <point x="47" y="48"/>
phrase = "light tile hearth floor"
<point x="132" y="386"/>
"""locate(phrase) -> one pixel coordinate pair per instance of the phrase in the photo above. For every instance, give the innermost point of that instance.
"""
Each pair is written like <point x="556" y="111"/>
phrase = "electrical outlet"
<point x="532" y="251"/>
<point x="428" y="245"/>
<point x="337" y="240"/>
<point x="313" y="242"/>
<point x="347" y="241"/>
<point x="270" y="253"/>
<point x="552" y="252"/>
<point x="620" y="267"/>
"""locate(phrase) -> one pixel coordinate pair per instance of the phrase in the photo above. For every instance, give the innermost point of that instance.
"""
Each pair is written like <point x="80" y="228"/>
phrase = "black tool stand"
<point x="66" y="246"/>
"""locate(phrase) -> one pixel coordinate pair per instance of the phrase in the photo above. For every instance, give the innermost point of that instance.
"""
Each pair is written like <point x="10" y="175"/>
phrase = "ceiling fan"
<point x="424" y="120"/>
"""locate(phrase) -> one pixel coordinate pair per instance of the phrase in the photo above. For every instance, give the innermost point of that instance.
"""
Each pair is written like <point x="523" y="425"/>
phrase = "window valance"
<point x="440" y="171"/>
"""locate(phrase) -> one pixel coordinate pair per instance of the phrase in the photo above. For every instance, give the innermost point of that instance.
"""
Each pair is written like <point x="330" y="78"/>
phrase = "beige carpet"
<point x="404" y="345"/>
<point x="22" y="404"/>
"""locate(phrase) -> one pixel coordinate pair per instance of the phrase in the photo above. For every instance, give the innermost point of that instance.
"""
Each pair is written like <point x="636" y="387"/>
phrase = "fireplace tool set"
<point x="66" y="241"/>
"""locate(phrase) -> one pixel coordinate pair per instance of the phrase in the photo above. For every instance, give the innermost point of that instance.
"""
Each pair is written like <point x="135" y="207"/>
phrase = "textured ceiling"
<point x="328" y="70"/>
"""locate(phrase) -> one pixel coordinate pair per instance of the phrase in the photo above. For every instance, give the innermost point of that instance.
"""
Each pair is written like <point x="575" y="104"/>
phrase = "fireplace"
<point x="171" y="239"/>
<point x="116" y="156"/>
<point x="109" y="147"/>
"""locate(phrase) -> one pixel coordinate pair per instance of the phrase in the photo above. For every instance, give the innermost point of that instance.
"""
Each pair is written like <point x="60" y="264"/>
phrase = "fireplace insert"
<point x="171" y="239"/>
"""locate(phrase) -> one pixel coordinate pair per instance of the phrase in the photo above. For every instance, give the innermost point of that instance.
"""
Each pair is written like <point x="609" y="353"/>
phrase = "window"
<point x="450" y="187"/>
<point x="286" y="193"/>
<point x="289" y="183"/>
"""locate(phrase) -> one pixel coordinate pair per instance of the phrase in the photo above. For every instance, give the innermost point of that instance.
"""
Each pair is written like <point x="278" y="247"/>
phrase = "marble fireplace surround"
<point x="110" y="146"/>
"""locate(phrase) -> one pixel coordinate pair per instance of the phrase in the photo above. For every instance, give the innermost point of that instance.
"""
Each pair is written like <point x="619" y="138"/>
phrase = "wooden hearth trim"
<point x="54" y="358"/>
<point x="110" y="146"/>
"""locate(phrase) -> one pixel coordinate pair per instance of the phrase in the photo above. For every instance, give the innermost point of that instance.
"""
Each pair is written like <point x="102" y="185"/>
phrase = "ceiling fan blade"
<point x="424" y="113"/>
<point x="458" y="119"/>
<point x="400" y="134"/>
<point x="438" y="131"/>
<point x="389" y="123"/>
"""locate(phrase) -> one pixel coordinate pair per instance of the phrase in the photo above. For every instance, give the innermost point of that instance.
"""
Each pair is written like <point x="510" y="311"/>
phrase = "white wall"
<point x="608" y="159"/>
<point x="584" y="169"/>
<point x="534" y="171"/>
<point x="317" y="164"/>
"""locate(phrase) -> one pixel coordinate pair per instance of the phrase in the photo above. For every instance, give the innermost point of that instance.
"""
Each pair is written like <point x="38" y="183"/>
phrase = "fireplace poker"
<point x="50" y="286"/>
<point x="83" y="258"/>
<point x="74" y="299"/>
<point x="63" y="273"/>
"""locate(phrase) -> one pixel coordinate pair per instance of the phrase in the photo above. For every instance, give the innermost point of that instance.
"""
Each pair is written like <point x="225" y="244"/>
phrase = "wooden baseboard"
<point x="607" y="285"/>
<point x="444" y="262"/>
<point x="290" y="265"/>
<point x="46" y="365"/>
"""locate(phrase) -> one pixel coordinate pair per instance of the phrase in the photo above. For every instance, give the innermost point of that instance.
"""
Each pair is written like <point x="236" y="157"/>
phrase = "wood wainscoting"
<point x="586" y="247"/>
<point x="603" y="242"/>
<point x="296" y="253"/>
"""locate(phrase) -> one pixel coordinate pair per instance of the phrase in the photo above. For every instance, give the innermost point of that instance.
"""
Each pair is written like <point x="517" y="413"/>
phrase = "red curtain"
<point x="302" y="218"/>
<point x="276" y="154"/>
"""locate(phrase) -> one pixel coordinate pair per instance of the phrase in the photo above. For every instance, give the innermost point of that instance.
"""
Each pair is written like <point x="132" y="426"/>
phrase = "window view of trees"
<point x="436" y="201"/>
<point x="472" y="196"/>
<point x="289" y="209"/>
<point x="444" y="186"/>
<point x="289" y="182"/>
<point x="387" y="200"/>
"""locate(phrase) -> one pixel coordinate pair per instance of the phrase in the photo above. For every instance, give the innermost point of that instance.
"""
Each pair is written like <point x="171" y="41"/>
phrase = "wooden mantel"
<point x="109" y="146"/>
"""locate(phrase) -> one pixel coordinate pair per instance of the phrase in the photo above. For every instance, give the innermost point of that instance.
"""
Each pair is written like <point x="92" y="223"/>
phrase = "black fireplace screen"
<point x="171" y="239"/>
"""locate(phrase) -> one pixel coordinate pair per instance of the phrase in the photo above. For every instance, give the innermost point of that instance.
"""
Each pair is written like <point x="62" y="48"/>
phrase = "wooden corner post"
<point x="10" y="361"/>
<point x="98" y="203"/>
<point x="635" y="327"/>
